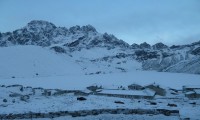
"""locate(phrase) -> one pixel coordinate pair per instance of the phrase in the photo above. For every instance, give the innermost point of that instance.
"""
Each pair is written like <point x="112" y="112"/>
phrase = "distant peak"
<point x="159" y="46"/>
<point x="40" y="24"/>
<point x="145" y="45"/>
<point x="88" y="28"/>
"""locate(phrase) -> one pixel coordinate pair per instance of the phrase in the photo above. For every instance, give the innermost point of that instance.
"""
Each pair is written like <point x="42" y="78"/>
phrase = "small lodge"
<point x="193" y="94"/>
<point x="191" y="88"/>
<point x="135" y="87"/>
<point x="137" y="94"/>
<point x="159" y="91"/>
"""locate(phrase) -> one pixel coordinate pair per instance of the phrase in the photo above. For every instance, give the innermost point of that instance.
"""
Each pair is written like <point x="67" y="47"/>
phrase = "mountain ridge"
<point x="99" y="53"/>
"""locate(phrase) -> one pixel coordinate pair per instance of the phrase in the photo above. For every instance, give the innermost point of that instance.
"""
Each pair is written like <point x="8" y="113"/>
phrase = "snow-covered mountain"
<point x="40" y="45"/>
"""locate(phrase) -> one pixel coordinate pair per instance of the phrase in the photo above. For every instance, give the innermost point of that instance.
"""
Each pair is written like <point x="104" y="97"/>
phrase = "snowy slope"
<point x="33" y="61"/>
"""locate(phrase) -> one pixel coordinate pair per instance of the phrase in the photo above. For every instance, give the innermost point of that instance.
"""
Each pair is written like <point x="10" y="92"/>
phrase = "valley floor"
<point x="112" y="80"/>
<point x="17" y="101"/>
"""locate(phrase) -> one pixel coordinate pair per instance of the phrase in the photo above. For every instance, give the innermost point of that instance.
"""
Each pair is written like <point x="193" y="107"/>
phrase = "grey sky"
<point x="134" y="21"/>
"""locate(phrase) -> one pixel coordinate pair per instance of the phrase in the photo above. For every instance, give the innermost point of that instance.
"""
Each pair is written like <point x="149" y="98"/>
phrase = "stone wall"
<point x="80" y="113"/>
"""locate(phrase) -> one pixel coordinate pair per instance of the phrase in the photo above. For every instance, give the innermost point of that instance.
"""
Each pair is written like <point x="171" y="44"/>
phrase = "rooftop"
<point x="192" y="86"/>
<point x="146" y="92"/>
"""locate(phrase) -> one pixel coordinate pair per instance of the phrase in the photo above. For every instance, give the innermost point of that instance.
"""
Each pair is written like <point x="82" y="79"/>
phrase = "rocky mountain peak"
<point x="159" y="46"/>
<point x="38" y="25"/>
<point x="145" y="45"/>
<point x="43" y="33"/>
<point x="88" y="28"/>
<point x="84" y="29"/>
<point x="135" y="46"/>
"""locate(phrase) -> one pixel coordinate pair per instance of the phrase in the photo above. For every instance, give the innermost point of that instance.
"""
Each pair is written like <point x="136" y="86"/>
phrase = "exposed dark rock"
<point x="153" y="103"/>
<point x="98" y="72"/>
<point x="81" y="98"/>
<point x="25" y="98"/>
<point x="21" y="89"/>
<point x="58" y="49"/>
<point x="175" y="46"/>
<point x="165" y="54"/>
<point x="145" y="55"/>
<point x="15" y="95"/>
<point x="111" y="40"/>
<point x="74" y="29"/>
<point x="15" y="85"/>
<point x="74" y="44"/>
<point x="185" y="119"/>
<point x="171" y="105"/>
<point x="196" y="51"/>
<point x="121" y="55"/>
<point x="145" y="46"/>
<point x="159" y="46"/>
<point x="5" y="100"/>
<point x="193" y="103"/>
<point x="88" y="28"/>
<point x="13" y="101"/>
<point x="135" y="46"/>
<point x="33" y="25"/>
<point x="2" y="85"/>
<point x="121" y="69"/>
<point x="95" y="42"/>
<point x="119" y="102"/>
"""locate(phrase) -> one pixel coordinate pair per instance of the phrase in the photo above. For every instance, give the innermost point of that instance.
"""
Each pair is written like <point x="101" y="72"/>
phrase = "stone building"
<point x="159" y="91"/>
<point x="137" y="94"/>
<point x="135" y="87"/>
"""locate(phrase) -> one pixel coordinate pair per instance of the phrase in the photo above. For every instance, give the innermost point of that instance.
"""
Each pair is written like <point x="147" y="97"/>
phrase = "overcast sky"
<point x="134" y="21"/>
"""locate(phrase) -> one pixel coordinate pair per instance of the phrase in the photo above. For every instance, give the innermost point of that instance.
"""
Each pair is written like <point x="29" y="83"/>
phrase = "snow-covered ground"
<point x="39" y="103"/>
<point x="114" y="80"/>
<point x="38" y="67"/>
<point x="30" y="61"/>
<point x="107" y="81"/>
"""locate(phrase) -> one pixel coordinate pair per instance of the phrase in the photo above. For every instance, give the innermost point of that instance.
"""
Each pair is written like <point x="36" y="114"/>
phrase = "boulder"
<point x="25" y="98"/>
<point x="119" y="102"/>
<point x="81" y="98"/>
